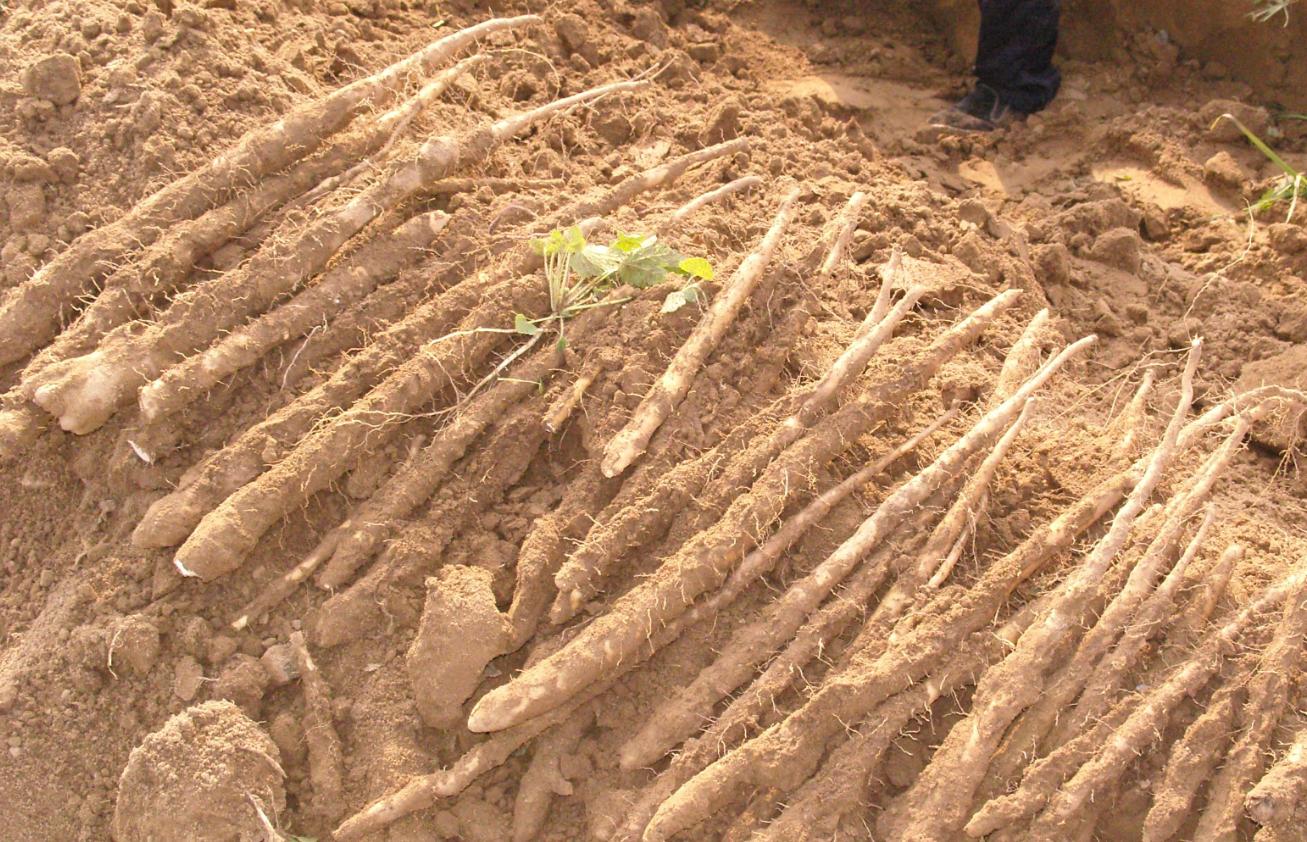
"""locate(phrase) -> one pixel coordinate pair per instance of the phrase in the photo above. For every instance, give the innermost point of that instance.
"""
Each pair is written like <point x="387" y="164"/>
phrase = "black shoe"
<point x="979" y="111"/>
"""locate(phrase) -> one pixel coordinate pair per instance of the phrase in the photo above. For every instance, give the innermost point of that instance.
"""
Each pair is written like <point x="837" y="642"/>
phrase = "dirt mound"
<point x="205" y="775"/>
<point x="625" y="423"/>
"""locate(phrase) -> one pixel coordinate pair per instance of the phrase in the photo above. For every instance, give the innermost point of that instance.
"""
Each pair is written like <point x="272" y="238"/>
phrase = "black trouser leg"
<point x="1015" y="56"/>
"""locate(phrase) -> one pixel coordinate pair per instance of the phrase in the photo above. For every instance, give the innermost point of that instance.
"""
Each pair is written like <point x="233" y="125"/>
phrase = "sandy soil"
<point x="124" y="685"/>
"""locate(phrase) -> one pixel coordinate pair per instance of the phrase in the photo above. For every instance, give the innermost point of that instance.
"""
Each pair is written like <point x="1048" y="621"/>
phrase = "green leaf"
<point x="632" y="242"/>
<point x="1260" y="144"/>
<point x="696" y="267"/>
<point x="539" y="246"/>
<point x="524" y="326"/>
<point x="680" y="298"/>
<point x="573" y="240"/>
<point x="562" y="344"/>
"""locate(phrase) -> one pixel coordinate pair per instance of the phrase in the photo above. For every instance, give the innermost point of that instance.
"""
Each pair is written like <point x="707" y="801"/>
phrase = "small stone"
<point x="152" y="26"/>
<point x="187" y="678"/>
<point x="287" y="732"/>
<point x="573" y="31"/>
<point x="706" y="53"/>
<point x="220" y="649"/>
<point x="1287" y="238"/>
<point x="1219" y="130"/>
<point x="1118" y="247"/>
<point x="243" y="681"/>
<point x="26" y="206"/>
<point x="1105" y="321"/>
<point x="1156" y="226"/>
<point x="1054" y="263"/>
<point x="31" y="168"/>
<point x="975" y="212"/>
<point x="65" y="163"/>
<point x="54" y="78"/>
<point x="195" y="637"/>
<point x="136" y="643"/>
<point x="279" y="662"/>
<point x="648" y="26"/>
<point x="1224" y="170"/>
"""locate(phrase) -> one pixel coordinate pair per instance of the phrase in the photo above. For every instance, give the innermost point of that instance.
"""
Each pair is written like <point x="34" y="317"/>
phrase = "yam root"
<point x="670" y="389"/>
<point x="30" y="314"/>
<point x="704" y="562"/>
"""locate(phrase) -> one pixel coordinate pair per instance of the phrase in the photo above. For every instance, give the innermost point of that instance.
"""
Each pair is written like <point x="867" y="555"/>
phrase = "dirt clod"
<point x="56" y="79"/>
<point x="461" y="631"/>
<point x="197" y="778"/>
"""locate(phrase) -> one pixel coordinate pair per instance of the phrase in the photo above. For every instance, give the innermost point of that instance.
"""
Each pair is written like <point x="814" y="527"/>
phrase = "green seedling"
<point x="579" y="273"/>
<point x="1290" y="187"/>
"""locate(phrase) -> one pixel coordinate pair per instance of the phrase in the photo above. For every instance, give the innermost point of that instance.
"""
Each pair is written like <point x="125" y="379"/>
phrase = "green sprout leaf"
<point x="696" y="267"/>
<point x="681" y="297"/>
<point x="632" y="242"/>
<point x="525" y="326"/>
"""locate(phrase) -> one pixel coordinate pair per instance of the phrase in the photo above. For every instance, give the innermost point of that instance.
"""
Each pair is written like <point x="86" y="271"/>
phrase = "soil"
<point x="1122" y="208"/>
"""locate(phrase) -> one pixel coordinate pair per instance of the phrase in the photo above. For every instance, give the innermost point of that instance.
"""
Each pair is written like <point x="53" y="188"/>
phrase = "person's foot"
<point x="979" y="111"/>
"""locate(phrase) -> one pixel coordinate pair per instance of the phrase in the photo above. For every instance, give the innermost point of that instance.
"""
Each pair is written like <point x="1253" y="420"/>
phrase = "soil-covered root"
<point x="581" y="575"/>
<point x="191" y="781"/>
<point x="543" y="551"/>
<point x="373" y="264"/>
<point x="671" y="388"/>
<point x="484" y="296"/>
<point x="560" y="410"/>
<point x="1192" y="761"/>
<point x="85" y="391"/>
<point x="30" y="314"/>
<point x="841" y="784"/>
<point x="326" y="757"/>
<point x="682" y="715"/>
<point x="1127" y="428"/>
<point x="1152" y="618"/>
<point x="786" y="754"/>
<point x="1046" y="775"/>
<point x="164" y="266"/>
<point x="1145" y="725"/>
<point x="481" y="480"/>
<point x="461" y="631"/>
<point x="784" y="617"/>
<point x="353" y="542"/>
<point x="1267" y="700"/>
<point x="704" y="562"/>
<point x="1282" y="790"/>
<point x="1049" y="719"/>
<point x="543" y="778"/>
<point x="938" y="802"/>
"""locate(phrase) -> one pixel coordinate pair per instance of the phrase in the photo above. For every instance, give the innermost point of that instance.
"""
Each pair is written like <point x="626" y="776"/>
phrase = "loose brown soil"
<point x="377" y="554"/>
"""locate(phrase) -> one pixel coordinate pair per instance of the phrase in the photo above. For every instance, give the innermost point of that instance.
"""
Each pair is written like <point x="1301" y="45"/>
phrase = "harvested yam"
<point x="939" y="801"/>
<point x="1192" y="761"/>
<point x="30" y="313"/>
<point x="1268" y="698"/>
<point x="854" y="765"/>
<point x="85" y="391"/>
<point x="705" y="561"/>
<point x="461" y="631"/>
<point x="1283" y="790"/>
<point x="685" y="712"/>
<point x="544" y="779"/>
<point x="326" y="758"/>
<point x="479" y="301"/>
<point x="1144" y="725"/>
<point x="372" y="264"/>
<point x="785" y="754"/>
<point x="669" y="391"/>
